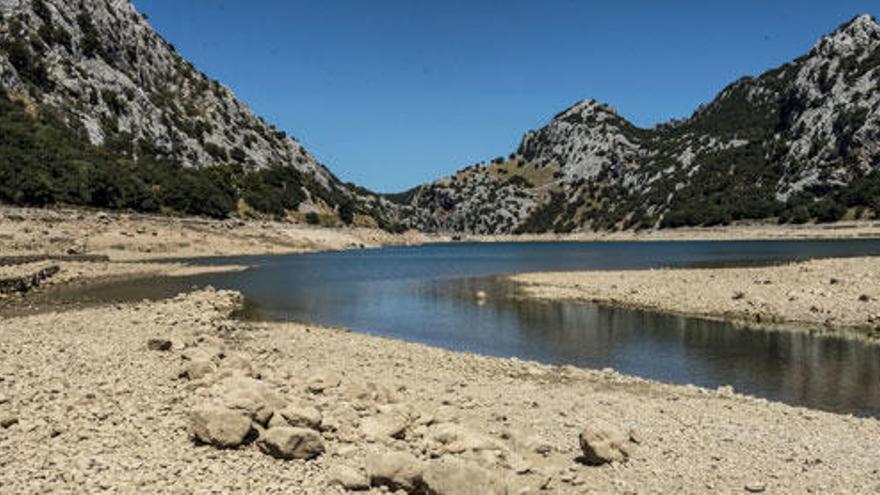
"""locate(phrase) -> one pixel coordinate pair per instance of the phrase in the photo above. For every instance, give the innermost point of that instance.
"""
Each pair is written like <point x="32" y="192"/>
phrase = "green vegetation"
<point x="43" y="162"/>
<point x="543" y="218"/>
<point x="91" y="43"/>
<point x="26" y="62"/>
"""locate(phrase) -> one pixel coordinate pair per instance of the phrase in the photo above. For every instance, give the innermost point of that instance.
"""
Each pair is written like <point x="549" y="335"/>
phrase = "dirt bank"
<point x="127" y="237"/>
<point x="99" y="406"/>
<point x="832" y="294"/>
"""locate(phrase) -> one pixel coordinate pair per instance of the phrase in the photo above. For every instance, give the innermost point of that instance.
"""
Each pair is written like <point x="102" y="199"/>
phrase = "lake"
<point x="426" y="294"/>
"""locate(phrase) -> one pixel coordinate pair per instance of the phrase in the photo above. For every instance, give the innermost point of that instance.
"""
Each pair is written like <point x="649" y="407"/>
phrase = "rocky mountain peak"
<point x="588" y="108"/>
<point x="583" y="140"/>
<point x="861" y="33"/>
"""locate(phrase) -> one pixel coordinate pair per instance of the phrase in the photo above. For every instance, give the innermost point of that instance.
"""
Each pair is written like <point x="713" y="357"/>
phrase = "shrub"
<point x="90" y="43"/>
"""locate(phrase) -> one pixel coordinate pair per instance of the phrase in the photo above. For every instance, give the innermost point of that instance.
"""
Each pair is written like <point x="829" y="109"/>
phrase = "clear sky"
<point x="393" y="93"/>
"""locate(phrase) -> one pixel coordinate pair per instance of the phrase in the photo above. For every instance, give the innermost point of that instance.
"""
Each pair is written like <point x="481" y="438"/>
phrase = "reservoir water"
<point x="426" y="294"/>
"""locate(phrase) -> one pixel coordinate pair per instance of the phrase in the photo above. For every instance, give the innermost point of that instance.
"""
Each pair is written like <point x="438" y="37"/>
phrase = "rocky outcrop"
<point x="104" y="64"/>
<point x="585" y="140"/>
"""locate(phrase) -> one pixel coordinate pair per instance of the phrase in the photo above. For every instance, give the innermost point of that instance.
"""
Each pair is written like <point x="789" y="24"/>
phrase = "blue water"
<point x="425" y="294"/>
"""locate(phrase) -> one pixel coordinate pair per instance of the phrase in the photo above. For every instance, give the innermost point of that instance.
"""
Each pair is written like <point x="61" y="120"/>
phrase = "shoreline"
<point x="835" y="296"/>
<point x="129" y="379"/>
<point x="379" y="404"/>
<point x="122" y="236"/>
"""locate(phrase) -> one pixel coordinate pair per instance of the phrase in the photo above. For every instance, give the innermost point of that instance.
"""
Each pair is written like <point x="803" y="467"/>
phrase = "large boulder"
<point x="220" y="427"/>
<point x="449" y="477"/>
<point x="395" y="470"/>
<point x="603" y="442"/>
<point x="287" y="442"/>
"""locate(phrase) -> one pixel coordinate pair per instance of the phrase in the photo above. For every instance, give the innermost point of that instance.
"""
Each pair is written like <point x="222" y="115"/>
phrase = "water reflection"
<point x="426" y="294"/>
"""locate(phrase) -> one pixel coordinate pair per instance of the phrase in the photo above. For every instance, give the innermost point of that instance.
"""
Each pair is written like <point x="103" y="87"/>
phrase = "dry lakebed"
<point x="180" y="395"/>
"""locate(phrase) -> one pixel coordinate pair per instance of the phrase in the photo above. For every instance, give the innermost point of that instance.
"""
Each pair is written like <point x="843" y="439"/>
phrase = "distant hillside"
<point x="798" y="143"/>
<point x="98" y="109"/>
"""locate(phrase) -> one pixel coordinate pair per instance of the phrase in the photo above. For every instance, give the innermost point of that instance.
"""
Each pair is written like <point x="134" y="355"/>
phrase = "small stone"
<point x="602" y="442"/>
<point x="220" y="427"/>
<point x="252" y="397"/>
<point x="455" y="477"/>
<point x="865" y="298"/>
<point x="739" y="295"/>
<point x="725" y="391"/>
<point x="755" y="487"/>
<point x="320" y="382"/>
<point x="159" y="345"/>
<point x="384" y="427"/>
<point x="8" y="421"/>
<point x="348" y="477"/>
<point x="287" y="442"/>
<point x="196" y="370"/>
<point x="304" y="417"/>
<point x="395" y="470"/>
<point x="635" y="436"/>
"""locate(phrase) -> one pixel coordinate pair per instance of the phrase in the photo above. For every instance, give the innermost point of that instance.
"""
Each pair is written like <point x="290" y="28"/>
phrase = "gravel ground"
<point x="829" y="294"/>
<point x="87" y="404"/>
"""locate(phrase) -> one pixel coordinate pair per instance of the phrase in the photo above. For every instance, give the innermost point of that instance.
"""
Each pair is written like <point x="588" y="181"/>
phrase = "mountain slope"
<point x="797" y="143"/>
<point x="116" y="86"/>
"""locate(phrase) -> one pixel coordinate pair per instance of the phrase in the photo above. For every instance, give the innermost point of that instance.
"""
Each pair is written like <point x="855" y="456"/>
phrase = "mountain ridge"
<point x="798" y="142"/>
<point x="114" y="84"/>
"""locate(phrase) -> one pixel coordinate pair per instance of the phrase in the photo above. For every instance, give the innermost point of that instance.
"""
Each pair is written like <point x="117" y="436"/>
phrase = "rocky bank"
<point x="176" y="396"/>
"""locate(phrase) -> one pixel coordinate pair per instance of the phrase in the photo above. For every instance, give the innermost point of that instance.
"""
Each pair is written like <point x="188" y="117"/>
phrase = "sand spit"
<point x="112" y="398"/>
<point x="136" y="237"/>
<point x="829" y="294"/>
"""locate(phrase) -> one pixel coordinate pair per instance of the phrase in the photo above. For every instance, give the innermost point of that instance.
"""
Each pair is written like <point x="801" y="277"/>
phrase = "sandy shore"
<point x="128" y="237"/>
<point x="97" y="407"/>
<point x="830" y="294"/>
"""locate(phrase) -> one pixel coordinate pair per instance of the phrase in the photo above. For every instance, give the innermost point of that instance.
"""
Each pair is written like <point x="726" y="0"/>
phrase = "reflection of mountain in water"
<point x="426" y="294"/>
<point x="796" y="367"/>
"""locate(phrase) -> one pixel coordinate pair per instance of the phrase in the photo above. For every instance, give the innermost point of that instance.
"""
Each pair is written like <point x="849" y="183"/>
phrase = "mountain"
<point x="91" y="94"/>
<point x="798" y="143"/>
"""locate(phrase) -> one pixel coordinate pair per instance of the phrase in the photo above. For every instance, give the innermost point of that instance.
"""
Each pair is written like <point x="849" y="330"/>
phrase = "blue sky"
<point x="393" y="93"/>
